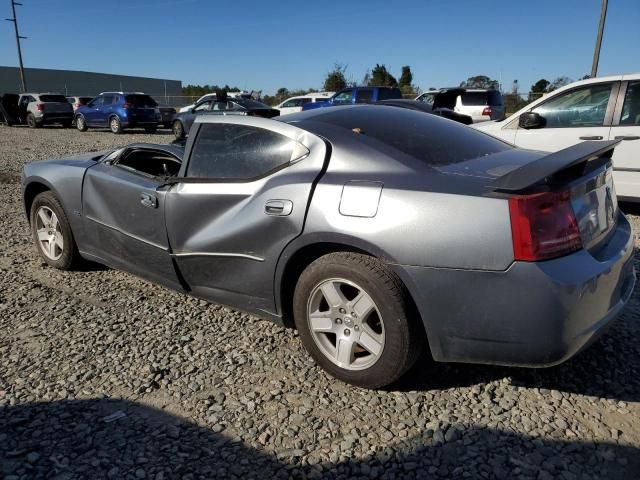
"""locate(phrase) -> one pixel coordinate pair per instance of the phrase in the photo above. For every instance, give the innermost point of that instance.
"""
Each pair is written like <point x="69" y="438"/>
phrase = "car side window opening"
<point x="294" y="102"/>
<point x="96" y="102"/>
<point x="342" y="97"/>
<point x="107" y="99"/>
<point x="582" y="107"/>
<point x="631" y="106"/>
<point x="239" y="152"/>
<point x="155" y="163"/>
<point x="364" y="96"/>
<point x="204" y="106"/>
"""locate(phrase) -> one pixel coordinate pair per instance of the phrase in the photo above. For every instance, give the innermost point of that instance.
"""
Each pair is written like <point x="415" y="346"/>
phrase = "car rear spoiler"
<point x="544" y="168"/>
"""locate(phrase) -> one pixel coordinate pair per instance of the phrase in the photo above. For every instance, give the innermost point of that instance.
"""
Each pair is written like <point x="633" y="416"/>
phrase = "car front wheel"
<point x="81" y="123"/>
<point x="52" y="233"/>
<point x="114" y="125"/>
<point x="178" y="129"/>
<point x="356" y="320"/>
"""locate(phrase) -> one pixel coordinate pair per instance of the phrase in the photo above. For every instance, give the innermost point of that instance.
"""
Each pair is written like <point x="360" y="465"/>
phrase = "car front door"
<point x="123" y="206"/>
<point x="241" y="198"/>
<point x="201" y="108"/>
<point x="92" y="112"/>
<point x="626" y="127"/>
<point x="575" y="115"/>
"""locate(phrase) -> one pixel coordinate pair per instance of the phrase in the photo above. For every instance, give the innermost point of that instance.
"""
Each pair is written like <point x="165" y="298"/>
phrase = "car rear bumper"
<point x="55" y="117"/>
<point x="532" y="314"/>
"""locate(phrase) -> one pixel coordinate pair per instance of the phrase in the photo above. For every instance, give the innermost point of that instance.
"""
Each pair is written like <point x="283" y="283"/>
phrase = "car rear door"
<point x="124" y="209"/>
<point x="572" y="116"/>
<point x="626" y="127"/>
<point x="242" y="198"/>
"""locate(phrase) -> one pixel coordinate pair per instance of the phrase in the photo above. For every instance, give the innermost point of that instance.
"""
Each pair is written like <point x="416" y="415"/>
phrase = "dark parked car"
<point x="356" y="95"/>
<point x="376" y="231"/>
<point x="237" y="106"/>
<point x="427" y="108"/>
<point x="119" y="110"/>
<point x="167" y="114"/>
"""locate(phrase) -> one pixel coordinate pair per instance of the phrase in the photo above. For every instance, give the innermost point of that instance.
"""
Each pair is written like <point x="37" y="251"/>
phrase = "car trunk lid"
<point x="585" y="171"/>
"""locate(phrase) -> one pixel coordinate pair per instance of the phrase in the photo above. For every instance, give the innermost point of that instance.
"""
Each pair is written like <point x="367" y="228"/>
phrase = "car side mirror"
<point x="531" y="120"/>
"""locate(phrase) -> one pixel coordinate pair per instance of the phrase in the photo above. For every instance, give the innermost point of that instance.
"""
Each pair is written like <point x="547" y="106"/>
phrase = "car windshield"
<point x="420" y="135"/>
<point x="141" y="100"/>
<point x="53" y="98"/>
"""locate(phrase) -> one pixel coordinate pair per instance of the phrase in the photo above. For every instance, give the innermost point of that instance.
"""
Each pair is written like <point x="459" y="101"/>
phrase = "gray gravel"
<point x="103" y="375"/>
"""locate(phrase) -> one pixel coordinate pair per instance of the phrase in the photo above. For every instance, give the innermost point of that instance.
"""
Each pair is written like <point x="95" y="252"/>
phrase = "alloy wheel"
<point x="50" y="238"/>
<point x="345" y="324"/>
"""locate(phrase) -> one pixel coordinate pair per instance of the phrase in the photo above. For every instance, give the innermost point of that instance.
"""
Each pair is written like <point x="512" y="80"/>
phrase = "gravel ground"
<point x="103" y="375"/>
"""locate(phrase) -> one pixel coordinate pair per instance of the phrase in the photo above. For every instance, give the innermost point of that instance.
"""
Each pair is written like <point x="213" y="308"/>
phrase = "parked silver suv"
<point x="37" y="109"/>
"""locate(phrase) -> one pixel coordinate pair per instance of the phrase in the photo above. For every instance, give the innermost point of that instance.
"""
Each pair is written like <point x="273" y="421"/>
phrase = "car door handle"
<point x="148" y="200"/>
<point x="278" y="207"/>
<point x="591" y="137"/>
<point x="627" y="137"/>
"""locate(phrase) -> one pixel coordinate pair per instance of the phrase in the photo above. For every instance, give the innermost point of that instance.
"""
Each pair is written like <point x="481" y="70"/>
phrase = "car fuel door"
<point x="243" y="198"/>
<point x="123" y="210"/>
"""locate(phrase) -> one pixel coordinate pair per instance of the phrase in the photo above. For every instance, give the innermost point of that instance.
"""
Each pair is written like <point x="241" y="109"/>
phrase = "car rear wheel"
<point x="178" y="129"/>
<point x="81" y="123"/>
<point x="31" y="121"/>
<point x="114" y="125"/>
<point x="52" y="232"/>
<point x="356" y="320"/>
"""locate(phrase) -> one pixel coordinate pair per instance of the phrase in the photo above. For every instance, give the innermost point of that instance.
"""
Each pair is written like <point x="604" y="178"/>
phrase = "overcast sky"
<point x="264" y="45"/>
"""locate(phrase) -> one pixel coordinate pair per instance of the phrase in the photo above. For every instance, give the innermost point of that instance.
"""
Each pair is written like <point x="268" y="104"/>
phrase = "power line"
<point x="18" y="38"/>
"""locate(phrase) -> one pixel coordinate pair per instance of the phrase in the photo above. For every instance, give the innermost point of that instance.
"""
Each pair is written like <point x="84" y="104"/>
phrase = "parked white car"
<point x="294" y="104"/>
<point x="480" y="104"/>
<point x="603" y="108"/>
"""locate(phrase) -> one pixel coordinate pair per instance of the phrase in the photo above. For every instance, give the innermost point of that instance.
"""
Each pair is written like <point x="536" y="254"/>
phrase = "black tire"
<point x="81" y="123"/>
<point x="153" y="129"/>
<point x="404" y="336"/>
<point x="115" y="125"/>
<point x="31" y="121"/>
<point x="70" y="255"/>
<point x="178" y="129"/>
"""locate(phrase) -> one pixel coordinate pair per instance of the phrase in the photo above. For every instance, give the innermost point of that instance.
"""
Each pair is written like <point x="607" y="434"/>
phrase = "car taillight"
<point x="543" y="226"/>
<point x="78" y="105"/>
<point x="40" y="107"/>
<point x="127" y="105"/>
<point x="486" y="111"/>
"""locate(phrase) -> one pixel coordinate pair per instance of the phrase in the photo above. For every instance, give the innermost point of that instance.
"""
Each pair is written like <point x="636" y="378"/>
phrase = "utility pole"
<point x="18" y="38"/>
<point x="596" y="53"/>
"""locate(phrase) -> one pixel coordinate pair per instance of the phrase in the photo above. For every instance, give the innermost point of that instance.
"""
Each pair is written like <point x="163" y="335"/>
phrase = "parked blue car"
<point x="119" y="110"/>
<point x="353" y="95"/>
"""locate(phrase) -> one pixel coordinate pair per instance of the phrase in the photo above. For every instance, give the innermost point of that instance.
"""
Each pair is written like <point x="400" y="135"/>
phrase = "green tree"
<point x="335" y="79"/>
<point x="558" y="83"/>
<point x="538" y="88"/>
<point x="406" y="77"/>
<point x="480" y="81"/>
<point x="381" y="77"/>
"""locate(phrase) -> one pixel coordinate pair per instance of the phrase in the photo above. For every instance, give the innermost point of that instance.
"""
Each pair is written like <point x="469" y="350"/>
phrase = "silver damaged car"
<point x="375" y="231"/>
